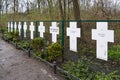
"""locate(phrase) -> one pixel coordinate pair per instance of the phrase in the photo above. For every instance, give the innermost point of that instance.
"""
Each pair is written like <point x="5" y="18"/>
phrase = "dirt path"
<point x="15" y="65"/>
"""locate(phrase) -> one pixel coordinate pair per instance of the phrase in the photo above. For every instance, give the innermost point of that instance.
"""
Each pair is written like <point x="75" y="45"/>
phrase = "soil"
<point x="16" y="65"/>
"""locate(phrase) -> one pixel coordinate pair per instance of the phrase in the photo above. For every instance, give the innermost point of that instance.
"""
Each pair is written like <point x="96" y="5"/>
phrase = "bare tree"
<point x="103" y="9"/>
<point x="16" y="4"/>
<point x="0" y="5"/>
<point x="38" y="1"/>
<point x="61" y="9"/>
<point x="76" y="9"/>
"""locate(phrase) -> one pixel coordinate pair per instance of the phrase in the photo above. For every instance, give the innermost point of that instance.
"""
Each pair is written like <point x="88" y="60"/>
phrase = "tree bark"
<point x="38" y="1"/>
<point x="6" y="6"/>
<point x="16" y="6"/>
<point x="50" y="8"/>
<point x="76" y="9"/>
<point x="61" y="10"/>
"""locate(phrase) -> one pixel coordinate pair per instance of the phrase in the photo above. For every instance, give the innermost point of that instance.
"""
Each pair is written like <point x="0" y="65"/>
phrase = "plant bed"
<point x="24" y="45"/>
<point x="86" y="69"/>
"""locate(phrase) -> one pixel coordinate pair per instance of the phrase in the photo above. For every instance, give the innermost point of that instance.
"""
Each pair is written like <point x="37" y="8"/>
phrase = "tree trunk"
<point x="68" y="13"/>
<point x="38" y="1"/>
<point x="76" y="9"/>
<point x="27" y="7"/>
<point x="50" y="8"/>
<point x="16" y="6"/>
<point x="6" y="6"/>
<point x="61" y="10"/>
<point x="64" y="9"/>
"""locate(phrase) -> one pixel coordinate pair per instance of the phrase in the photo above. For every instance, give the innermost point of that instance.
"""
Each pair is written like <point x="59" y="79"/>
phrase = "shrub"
<point x="53" y="52"/>
<point x="11" y="36"/>
<point x="8" y="36"/>
<point x="37" y="44"/>
<point x="23" y="44"/>
<point x="16" y="36"/>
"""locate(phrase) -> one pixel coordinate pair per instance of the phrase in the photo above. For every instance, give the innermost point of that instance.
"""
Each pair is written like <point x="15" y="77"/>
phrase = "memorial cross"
<point x="8" y="26"/>
<point x="41" y="29"/>
<point x="54" y="30"/>
<point x="15" y="26"/>
<point x="32" y="30"/>
<point x="73" y="32"/>
<point x="25" y="28"/>
<point x="102" y="35"/>
<point x="19" y="28"/>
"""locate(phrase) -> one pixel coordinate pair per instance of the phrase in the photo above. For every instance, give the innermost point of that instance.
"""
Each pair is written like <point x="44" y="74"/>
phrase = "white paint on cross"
<point x="54" y="30"/>
<point x="15" y="26"/>
<point x="8" y="26"/>
<point x="32" y="30"/>
<point x="11" y="26"/>
<point x="73" y="32"/>
<point x="19" y="28"/>
<point x="102" y="35"/>
<point x="41" y="29"/>
<point x="25" y="28"/>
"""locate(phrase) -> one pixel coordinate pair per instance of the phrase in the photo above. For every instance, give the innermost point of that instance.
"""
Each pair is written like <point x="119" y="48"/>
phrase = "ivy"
<point x="82" y="70"/>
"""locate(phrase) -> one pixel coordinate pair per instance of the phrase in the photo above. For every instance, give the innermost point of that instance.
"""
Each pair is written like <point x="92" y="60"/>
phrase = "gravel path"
<point x="15" y="65"/>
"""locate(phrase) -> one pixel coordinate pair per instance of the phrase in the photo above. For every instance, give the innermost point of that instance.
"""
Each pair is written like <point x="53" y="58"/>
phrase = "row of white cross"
<point x="101" y="34"/>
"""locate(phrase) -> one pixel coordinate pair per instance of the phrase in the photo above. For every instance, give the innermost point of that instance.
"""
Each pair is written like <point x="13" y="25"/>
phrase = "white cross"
<point x="41" y="29"/>
<point x="15" y="26"/>
<point x="103" y="36"/>
<point x="73" y="32"/>
<point x="54" y="30"/>
<point x="25" y="28"/>
<point x="19" y="28"/>
<point x="32" y="30"/>
<point x="8" y="26"/>
<point x="11" y="26"/>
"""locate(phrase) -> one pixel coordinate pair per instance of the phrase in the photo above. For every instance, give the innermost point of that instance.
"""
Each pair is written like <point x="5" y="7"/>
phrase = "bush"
<point x="114" y="53"/>
<point x="16" y="36"/>
<point x="53" y="52"/>
<point x="3" y="29"/>
<point x="8" y="36"/>
<point x="11" y="36"/>
<point x="37" y="44"/>
<point x="23" y="44"/>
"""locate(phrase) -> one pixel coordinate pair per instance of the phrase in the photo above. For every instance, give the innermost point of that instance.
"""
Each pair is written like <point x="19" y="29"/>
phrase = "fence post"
<point x="36" y="29"/>
<point x="10" y="26"/>
<point x="13" y="26"/>
<point x="63" y="24"/>
<point x="29" y="54"/>
<point x="22" y="33"/>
